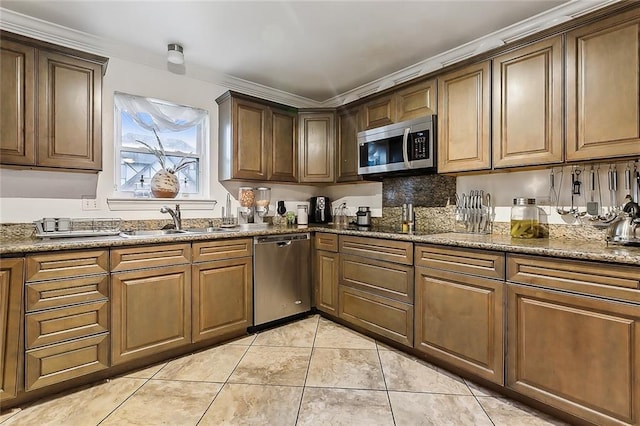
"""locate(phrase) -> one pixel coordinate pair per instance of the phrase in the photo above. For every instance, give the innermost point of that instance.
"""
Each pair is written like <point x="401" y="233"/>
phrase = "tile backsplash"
<point x="423" y="191"/>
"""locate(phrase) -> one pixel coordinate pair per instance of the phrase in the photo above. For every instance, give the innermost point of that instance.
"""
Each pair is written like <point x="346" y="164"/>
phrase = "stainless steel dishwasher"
<point x="281" y="276"/>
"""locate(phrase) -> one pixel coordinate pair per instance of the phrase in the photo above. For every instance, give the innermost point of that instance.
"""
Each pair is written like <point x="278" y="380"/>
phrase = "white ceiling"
<point x="315" y="51"/>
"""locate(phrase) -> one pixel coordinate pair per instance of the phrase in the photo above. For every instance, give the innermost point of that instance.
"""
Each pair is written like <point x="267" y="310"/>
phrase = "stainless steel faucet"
<point x="175" y="215"/>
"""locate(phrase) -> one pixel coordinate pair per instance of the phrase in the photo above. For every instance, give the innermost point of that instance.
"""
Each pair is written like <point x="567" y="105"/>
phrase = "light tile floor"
<point x="310" y="372"/>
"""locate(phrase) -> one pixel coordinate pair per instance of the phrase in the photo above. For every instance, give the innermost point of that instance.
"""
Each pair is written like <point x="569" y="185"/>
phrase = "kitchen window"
<point x="183" y="132"/>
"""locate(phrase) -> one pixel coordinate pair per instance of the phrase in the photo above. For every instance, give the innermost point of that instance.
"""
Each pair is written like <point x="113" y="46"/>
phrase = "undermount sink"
<point x="210" y="230"/>
<point x="151" y="233"/>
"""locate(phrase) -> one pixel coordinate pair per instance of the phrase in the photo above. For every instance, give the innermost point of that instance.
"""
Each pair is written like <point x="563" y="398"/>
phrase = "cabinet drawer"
<point x="58" y="325"/>
<point x="375" y="276"/>
<point x="482" y="263"/>
<point x="386" y="317"/>
<point x="150" y="257"/>
<point x="375" y="248"/>
<point x="57" y="363"/>
<point x="66" y="264"/>
<point x="222" y="249"/>
<point x="327" y="242"/>
<point x="600" y="279"/>
<point x="52" y="294"/>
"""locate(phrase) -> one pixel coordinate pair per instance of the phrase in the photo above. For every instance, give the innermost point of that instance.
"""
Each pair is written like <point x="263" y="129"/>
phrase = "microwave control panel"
<point x="419" y="148"/>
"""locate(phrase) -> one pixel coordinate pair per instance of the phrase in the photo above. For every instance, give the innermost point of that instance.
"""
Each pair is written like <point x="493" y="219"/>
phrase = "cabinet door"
<point x="222" y="296"/>
<point x="17" y="108"/>
<point x="459" y="319"/>
<point x="151" y="312"/>
<point x="69" y="112"/>
<point x="316" y="147"/>
<point x="464" y="142"/>
<point x="603" y="91"/>
<point x="347" y="145"/>
<point x="578" y="354"/>
<point x="251" y="129"/>
<point x="417" y="100"/>
<point x="379" y="112"/>
<point x="327" y="282"/>
<point x="284" y="146"/>
<point x="11" y="273"/>
<point x="527" y="105"/>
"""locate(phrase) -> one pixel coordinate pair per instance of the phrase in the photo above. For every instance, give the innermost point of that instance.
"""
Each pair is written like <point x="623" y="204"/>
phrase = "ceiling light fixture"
<point x="174" y="54"/>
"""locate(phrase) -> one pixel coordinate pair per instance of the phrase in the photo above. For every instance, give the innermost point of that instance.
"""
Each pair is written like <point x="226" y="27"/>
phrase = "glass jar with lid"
<point x="525" y="218"/>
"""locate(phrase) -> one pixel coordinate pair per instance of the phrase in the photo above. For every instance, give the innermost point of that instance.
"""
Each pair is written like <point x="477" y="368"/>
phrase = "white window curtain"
<point x="164" y="117"/>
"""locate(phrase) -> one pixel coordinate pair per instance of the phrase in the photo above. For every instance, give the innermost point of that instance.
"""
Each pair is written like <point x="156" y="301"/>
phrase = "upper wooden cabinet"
<point x="527" y="105"/>
<point x="17" y="106"/>
<point x="603" y="91"/>
<point x="379" y="112"/>
<point x="284" y="146"/>
<point x="463" y="119"/>
<point x="257" y="140"/>
<point x="416" y="100"/>
<point x="348" y="123"/>
<point x="317" y="146"/>
<point x="51" y="106"/>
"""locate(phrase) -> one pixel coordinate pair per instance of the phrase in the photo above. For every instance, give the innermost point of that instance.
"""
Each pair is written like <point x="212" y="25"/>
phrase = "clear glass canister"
<point x="525" y="218"/>
<point x="246" y="196"/>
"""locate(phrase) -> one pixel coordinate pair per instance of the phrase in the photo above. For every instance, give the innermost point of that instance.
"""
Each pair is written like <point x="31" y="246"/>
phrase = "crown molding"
<point x="532" y="25"/>
<point x="57" y="34"/>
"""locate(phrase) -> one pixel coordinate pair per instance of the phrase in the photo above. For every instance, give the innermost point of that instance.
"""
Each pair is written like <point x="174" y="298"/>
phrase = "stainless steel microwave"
<point x="407" y="147"/>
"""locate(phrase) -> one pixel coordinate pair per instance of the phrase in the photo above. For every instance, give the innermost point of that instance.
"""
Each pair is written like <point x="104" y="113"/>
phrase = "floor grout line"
<point x="225" y="382"/>
<point x="304" y="385"/>
<point x="386" y="387"/>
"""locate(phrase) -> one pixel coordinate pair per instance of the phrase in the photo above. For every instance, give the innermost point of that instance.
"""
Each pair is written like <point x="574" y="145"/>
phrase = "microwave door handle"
<point x="405" y="155"/>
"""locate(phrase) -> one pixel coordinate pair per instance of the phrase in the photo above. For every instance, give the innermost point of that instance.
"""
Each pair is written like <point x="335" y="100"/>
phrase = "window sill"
<point x="127" y="204"/>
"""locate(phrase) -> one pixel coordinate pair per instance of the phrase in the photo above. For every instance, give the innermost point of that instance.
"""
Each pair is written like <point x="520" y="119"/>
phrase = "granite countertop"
<point x="573" y="249"/>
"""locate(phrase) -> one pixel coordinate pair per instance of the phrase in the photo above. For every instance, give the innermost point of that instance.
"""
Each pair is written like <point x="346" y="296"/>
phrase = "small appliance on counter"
<point x="624" y="229"/>
<point x="319" y="210"/>
<point x="363" y="216"/>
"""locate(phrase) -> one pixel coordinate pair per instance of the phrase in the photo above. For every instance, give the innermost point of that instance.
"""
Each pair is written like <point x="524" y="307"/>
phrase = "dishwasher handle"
<point x="283" y="243"/>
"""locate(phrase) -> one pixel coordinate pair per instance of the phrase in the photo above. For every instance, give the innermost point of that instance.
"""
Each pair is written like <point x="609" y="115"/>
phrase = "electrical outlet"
<point x="89" y="203"/>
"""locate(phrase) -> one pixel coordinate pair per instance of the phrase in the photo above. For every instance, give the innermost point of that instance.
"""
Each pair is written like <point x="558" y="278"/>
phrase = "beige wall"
<point x="28" y="195"/>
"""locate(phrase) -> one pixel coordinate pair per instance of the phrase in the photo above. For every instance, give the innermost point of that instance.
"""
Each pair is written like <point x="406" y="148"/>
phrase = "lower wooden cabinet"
<point x="11" y="285"/>
<point x="56" y="363"/>
<point x="376" y="286"/>
<point x="576" y="353"/>
<point x="459" y="319"/>
<point x="151" y="311"/>
<point x="327" y="281"/>
<point x="222" y="298"/>
<point x="66" y="319"/>
<point x="381" y="315"/>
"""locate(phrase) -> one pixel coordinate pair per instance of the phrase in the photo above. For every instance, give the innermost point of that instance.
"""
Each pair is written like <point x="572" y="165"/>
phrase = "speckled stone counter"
<point x="573" y="249"/>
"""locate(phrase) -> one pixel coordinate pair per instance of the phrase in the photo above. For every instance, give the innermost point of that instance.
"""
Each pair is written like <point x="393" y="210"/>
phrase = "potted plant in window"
<point x="165" y="184"/>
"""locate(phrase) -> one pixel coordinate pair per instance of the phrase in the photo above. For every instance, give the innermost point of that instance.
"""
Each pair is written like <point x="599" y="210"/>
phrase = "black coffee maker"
<point x="319" y="210"/>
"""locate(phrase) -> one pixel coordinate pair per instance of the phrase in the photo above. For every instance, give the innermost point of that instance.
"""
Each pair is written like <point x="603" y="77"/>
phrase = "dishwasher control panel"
<point x="281" y="238"/>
